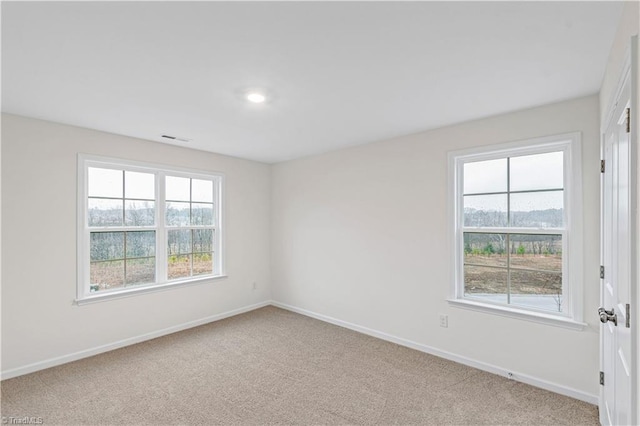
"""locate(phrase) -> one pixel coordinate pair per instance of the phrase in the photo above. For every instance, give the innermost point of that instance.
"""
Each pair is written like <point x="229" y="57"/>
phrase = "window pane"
<point x="537" y="209"/>
<point x="202" y="263"/>
<point x="485" y="249"/>
<point x="179" y="241"/>
<point x="141" y="271"/>
<point x="485" y="210"/>
<point x="106" y="275"/>
<point x="201" y="214"/>
<point x="487" y="284"/>
<point x="105" y="183"/>
<point x="202" y="190"/>
<point x="139" y="185"/>
<point x="542" y="290"/>
<point x="106" y="245"/>
<point x="541" y="252"/>
<point x="202" y="240"/>
<point x="177" y="189"/>
<point x="540" y="171"/>
<point x="105" y="212"/>
<point x="485" y="176"/>
<point x="179" y="266"/>
<point x="141" y="244"/>
<point x="178" y="214"/>
<point x="139" y="213"/>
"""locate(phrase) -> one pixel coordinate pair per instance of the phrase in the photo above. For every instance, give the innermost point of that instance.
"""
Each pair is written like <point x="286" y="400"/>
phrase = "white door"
<point x="618" y="253"/>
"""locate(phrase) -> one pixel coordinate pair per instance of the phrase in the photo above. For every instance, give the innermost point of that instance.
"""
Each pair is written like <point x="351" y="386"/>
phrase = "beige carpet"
<point x="272" y="366"/>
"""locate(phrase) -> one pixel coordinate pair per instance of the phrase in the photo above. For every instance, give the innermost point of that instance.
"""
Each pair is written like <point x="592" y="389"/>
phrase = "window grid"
<point x="94" y="286"/>
<point x="86" y="286"/>
<point x="192" y="251"/>
<point x="123" y="200"/>
<point x="192" y="227"/>
<point x="567" y="231"/>
<point x="510" y="230"/>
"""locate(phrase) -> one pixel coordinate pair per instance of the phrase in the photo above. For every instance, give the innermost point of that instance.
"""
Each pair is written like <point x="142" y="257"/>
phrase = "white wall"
<point x="360" y="235"/>
<point x="39" y="321"/>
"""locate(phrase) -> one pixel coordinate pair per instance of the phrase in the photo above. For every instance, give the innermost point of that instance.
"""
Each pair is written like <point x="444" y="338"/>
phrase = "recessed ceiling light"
<point x="256" y="98"/>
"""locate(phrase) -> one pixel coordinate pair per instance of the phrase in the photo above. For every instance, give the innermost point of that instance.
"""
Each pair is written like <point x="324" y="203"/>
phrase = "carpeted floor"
<point x="272" y="366"/>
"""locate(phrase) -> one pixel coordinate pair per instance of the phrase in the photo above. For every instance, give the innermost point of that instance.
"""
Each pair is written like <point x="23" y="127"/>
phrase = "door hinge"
<point x="601" y="166"/>
<point x="627" y="321"/>
<point x="602" y="272"/>
<point x="628" y="120"/>
<point x="602" y="378"/>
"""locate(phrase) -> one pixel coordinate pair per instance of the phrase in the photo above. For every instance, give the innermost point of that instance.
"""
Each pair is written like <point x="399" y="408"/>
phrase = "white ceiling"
<point x="338" y="73"/>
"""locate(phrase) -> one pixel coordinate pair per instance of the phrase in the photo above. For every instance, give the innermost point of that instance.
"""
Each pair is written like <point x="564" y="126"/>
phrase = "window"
<point x="142" y="227"/>
<point x="516" y="229"/>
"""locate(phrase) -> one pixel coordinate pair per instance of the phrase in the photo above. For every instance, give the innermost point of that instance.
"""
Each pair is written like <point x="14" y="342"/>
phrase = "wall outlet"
<point x="255" y="285"/>
<point x="444" y="320"/>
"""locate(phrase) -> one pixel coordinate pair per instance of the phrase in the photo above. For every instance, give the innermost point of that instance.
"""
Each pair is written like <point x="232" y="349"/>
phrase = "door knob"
<point x="608" y="316"/>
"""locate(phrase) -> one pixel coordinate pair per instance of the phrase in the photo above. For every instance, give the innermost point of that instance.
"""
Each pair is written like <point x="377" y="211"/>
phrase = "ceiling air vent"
<point x="177" y="138"/>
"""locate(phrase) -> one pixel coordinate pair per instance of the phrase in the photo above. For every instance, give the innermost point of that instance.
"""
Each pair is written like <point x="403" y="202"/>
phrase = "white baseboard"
<point x="533" y="381"/>
<point x="524" y="378"/>
<point x="52" y="362"/>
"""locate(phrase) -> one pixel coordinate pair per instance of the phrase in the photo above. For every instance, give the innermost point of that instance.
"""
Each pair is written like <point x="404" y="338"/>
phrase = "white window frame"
<point x="84" y="295"/>
<point x="572" y="236"/>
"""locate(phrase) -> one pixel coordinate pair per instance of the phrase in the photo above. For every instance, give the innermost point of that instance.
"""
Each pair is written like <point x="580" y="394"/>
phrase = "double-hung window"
<point x="143" y="227"/>
<point x="516" y="217"/>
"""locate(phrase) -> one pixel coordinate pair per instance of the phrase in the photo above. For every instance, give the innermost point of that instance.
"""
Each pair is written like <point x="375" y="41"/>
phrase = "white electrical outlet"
<point x="255" y="285"/>
<point x="444" y="320"/>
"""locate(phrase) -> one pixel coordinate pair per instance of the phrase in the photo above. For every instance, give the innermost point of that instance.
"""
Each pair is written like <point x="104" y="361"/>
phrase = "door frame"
<point x="629" y="70"/>
<point x="635" y="234"/>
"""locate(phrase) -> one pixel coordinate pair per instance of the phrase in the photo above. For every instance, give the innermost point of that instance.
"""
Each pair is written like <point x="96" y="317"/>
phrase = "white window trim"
<point x="572" y="234"/>
<point x="83" y="295"/>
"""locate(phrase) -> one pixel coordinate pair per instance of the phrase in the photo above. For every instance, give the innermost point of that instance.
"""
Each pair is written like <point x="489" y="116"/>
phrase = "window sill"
<point x="521" y="314"/>
<point x="135" y="291"/>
